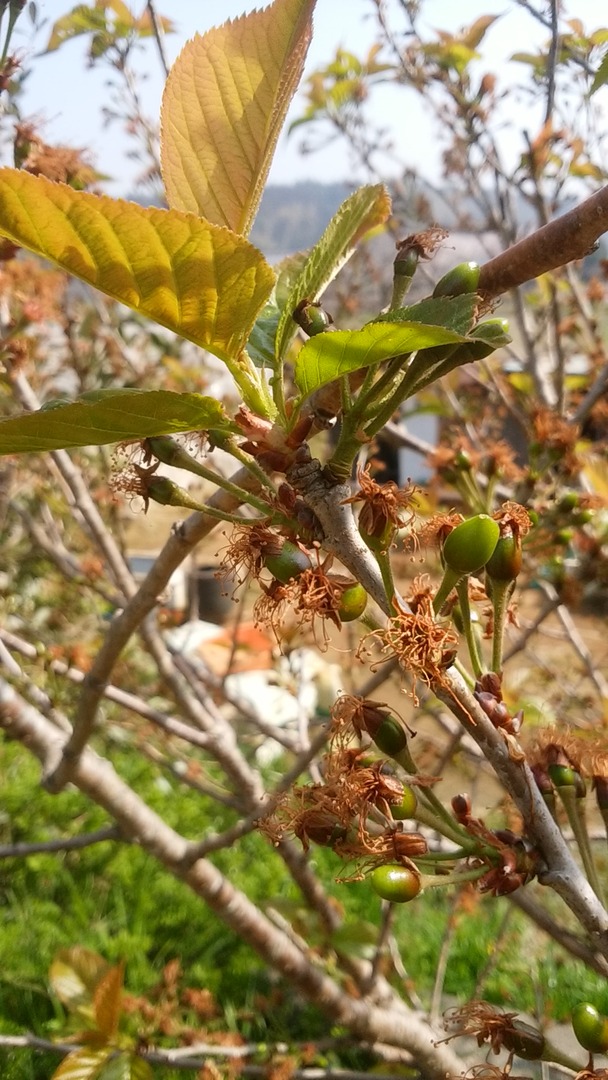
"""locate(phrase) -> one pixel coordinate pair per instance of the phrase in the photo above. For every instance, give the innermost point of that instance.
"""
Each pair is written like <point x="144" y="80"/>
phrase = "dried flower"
<point x="422" y="647"/>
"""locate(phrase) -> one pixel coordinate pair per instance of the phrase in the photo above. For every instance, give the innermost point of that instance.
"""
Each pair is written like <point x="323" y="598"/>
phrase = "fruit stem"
<point x="449" y="582"/>
<point x="578" y="824"/>
<point x="501" y="594"/>
<point x="462" y="588"/>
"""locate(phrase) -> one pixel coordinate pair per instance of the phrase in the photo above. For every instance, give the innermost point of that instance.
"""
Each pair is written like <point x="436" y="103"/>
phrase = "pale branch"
<point x="572" y="943"/>
<point x="203" y="682"/>
<point x="195" y="1057"/>
<point x="216" y="841"/>
<point x="97" y="779"/>
<point x="68" y="843"/>
<point x="508" y="761"/>
<point x="179" y="545"/>
<point x="167" y="723"/>
<point x="577" y="643"/>
<point x="205" y="715"/>
<point x="562" y="873"/>
<point x="566" y="239"/>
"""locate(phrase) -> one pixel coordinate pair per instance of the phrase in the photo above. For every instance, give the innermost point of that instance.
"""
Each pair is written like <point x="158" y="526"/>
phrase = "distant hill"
<point x="292" y="217"/>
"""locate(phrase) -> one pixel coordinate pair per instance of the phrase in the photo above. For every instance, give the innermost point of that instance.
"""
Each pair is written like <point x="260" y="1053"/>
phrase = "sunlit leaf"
<point x="475" y="33"/>
<point x="223" y="108"/>
<point x="365" y="209"/>
<point x="74" y="973"/>
<point x="82" y="1064"/>
<point x="454" y="312"/>
<point x="203" y="282"/>
<point x="126" y="1067"/>
<point x="82" y="19"/>
<point x="107" y="1000"/>
<point x="110" y="416"/>
<point x="328" y="356"/>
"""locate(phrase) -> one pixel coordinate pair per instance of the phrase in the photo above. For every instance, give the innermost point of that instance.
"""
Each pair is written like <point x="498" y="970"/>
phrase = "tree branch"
<point x="570" y="237"/>
<point x="95" y="777"/>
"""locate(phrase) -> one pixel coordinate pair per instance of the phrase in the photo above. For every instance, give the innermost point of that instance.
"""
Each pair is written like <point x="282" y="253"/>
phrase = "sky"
<point x="68" y="97"/>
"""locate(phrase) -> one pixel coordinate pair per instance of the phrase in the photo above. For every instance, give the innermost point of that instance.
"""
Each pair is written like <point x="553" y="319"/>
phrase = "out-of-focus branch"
<point x="96" y="778"/>
<point x="70" y="843"/>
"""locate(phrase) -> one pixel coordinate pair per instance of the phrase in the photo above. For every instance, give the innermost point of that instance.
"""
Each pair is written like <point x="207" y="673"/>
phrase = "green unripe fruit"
<point x="463" y="278"/>
<point x="471" y="544"/>
<point x="353" y="603"/>
<point x="56" y="403"/>
<point x="389" y="736"/>
<point x="505" y="562"/>
<point x="312" y="318"/>
<point x="582" y="517"/>
<point x="395" y="883"/>
<point x="590" y="1028"/>
<point x="288" y="563"/>
<point x="566" y="776"/>
<point x="406" y="809"/>
<point x="564" y="537"/>
<point x="569" y="501"/>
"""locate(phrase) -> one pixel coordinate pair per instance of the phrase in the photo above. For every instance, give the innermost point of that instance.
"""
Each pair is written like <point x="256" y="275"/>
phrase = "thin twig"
<point x="71" y="843"/>
<point x="158" y="36"/>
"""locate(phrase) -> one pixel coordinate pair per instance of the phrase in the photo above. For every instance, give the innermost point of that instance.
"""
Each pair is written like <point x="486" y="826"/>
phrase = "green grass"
<point x="116" y="900"/>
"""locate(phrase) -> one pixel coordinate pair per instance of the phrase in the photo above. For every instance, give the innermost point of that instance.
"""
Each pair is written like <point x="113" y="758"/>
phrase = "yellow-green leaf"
<point x="107" y="1001"/>
<point x="126" y="1067"/>
<point x="326" y="357"/>
<point x="83" y="1064"/>
<point x="110" y="416"/>
<point x="202" y="281"/>
<point x="362" y="211"/>
<point x="74" y="975"/>
<point x="223" y="108"/>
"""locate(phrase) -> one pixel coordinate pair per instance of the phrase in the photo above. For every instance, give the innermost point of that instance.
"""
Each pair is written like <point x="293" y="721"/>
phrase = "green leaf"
<point x="203" y="282"/>
<point x="126" y="1067"/>
<point x="75" y="972"/>
<point x="82" y="19"/>
<point x="360" y="212"/>
<point x="326" y="357"/>
<point x="454" y="312"/>
<point x="85" y="1064"/>
<point x="475" y="33"/>
<point x="107" y="1001"/>
<point x="223" y="108"/>
<point x="601" y="76"/>
<point x="110" y="416"/>
<point x="261" y="344"/>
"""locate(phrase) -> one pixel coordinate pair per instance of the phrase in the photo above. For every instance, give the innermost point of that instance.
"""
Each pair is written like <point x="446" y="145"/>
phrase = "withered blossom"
<point x="335" y="813"/>
<point x="386" y="507"/>
<point x="501" y="1030"/>
<point x="585" y="750"/>
<point x="423" y="648"/>
<point x="313" y="596"/>
<point x="437" y="527"/>
<point x="558" y="436"/>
